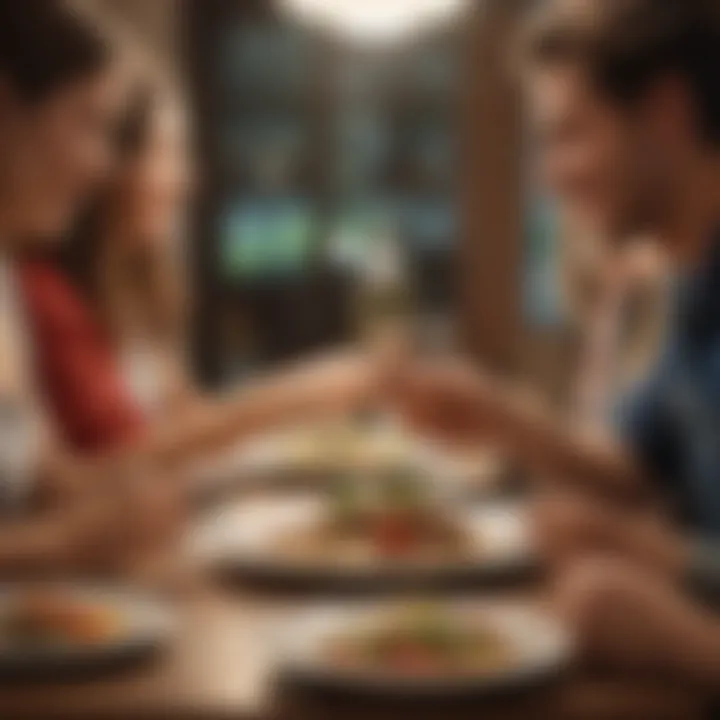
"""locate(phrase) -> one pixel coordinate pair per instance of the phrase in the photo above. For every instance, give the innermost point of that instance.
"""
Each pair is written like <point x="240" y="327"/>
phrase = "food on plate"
<point x="425" y="640"/>
<point x="388" y="516"/>
<point x="56" y="617"/>
<point x="345" y="446"/>
<point x="323" y="450"/>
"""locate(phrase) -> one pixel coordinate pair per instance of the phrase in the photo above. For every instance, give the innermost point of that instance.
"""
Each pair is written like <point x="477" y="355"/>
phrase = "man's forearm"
<point x="541" y="442"/>
<point x="702" y="571"/>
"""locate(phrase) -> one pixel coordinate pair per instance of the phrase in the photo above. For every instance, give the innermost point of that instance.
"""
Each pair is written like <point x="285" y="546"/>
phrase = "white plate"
<point x="539" y="648"/>
<point x="241" y="538"/>
<point x="147" y="626"/>
<point x="283" y="456"/>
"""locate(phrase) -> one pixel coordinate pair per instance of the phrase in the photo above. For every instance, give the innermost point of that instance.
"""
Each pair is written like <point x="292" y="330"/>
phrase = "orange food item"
<point x="56" y="617"/>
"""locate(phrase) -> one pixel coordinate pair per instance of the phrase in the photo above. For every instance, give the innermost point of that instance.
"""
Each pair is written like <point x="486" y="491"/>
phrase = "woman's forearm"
<point x="333" y="385"/>
<point x="33" y="546"/>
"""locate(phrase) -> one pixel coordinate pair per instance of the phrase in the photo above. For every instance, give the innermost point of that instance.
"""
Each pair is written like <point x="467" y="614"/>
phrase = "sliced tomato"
<point x="396" y="535"/>
<point x="414" y="658"/>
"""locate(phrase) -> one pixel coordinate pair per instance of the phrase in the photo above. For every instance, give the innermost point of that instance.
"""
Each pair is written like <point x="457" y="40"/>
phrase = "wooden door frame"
<point x="490" y="256"/>
<point x="492" y="253"/>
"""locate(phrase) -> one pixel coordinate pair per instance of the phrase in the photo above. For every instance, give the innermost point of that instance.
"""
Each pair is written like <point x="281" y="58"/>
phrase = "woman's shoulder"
<point x="43" y="275"/>
<point x="50" y="297"/>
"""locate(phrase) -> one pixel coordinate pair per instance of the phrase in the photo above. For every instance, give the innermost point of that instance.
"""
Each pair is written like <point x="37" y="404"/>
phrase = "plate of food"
<point x="51" y="630"/>
<point x="418" y="649"/>
<point x="319" y="453"/>
<point x="390" y="530"/>
<point x="310" y="456"/>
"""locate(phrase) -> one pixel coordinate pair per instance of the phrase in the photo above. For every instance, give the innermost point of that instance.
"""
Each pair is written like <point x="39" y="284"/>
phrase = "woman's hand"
<point x="340" y="382"/>
<point x="117" y="525"/>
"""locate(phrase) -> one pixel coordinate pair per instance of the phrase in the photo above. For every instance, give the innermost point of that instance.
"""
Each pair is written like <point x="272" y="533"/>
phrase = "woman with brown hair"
<point x="118" y="286"/>
<point x="59" y="100"/>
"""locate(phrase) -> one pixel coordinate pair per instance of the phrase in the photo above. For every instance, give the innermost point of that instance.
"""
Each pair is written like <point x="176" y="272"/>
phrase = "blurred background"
<point x="324" y="130"/>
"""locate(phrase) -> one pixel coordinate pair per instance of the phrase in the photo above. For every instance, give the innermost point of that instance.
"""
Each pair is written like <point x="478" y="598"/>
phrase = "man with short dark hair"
<point x="626" y="97"/>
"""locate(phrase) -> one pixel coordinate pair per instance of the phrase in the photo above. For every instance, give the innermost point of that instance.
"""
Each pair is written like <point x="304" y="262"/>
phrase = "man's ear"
<point x="671" y="112"/>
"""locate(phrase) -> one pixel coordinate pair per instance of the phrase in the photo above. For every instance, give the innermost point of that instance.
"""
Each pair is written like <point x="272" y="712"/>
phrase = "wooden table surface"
<point x="220" y="668"/>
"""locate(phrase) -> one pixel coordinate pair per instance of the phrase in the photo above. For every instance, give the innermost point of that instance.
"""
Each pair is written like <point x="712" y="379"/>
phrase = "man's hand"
<point x="449" y="400"/>
<point x="567" y="529"/>
<point x="631" y="618"/>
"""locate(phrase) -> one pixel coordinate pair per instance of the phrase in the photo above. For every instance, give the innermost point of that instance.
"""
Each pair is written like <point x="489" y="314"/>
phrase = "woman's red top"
<point x="78" y="374"/>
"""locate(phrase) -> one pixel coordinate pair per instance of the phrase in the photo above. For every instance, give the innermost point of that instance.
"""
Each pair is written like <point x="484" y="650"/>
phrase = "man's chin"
<point x="624" y="236"/>
<point x="617" y="232"/>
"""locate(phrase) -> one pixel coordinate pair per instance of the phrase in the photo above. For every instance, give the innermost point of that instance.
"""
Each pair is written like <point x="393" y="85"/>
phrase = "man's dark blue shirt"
<point x="673" y="421"/>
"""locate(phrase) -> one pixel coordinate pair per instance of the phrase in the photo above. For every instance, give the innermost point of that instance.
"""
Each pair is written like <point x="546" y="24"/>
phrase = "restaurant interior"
<point x="364" y="181"/>
<point x="309" y="141"/>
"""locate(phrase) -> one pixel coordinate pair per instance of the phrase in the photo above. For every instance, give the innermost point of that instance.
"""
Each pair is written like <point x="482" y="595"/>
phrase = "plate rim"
<point x="154" y="633"/>
<point x="233" y="561"/>
<point x="376" y="683"/>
